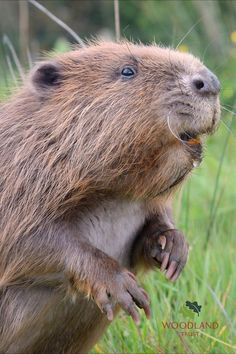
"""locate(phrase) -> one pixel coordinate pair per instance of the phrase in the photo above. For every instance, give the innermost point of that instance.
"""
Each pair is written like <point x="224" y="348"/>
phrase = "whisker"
<point x="228" y="105"/>
<point x="205" y="51"/>
<point x="176" y="136"/>
<point x="168" y="122"/>
<point x="228" y="110"/>
<point x="228" y="128"/>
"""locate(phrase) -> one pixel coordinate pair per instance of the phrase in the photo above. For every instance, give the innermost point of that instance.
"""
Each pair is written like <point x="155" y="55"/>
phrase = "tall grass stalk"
<point x="58" y="21"/>
<point x="9" y="45"/>
<point x="213" y="207"/>
<point x="117" y="19"/>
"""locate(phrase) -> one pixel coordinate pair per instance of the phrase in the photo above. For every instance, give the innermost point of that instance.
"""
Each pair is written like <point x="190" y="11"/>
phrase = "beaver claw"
<point x="123" y="290"/>
<point x="168" y="251"/>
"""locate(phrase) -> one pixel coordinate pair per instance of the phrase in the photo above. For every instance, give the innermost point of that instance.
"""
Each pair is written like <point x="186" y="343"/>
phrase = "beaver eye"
<point x="127" y="72"/>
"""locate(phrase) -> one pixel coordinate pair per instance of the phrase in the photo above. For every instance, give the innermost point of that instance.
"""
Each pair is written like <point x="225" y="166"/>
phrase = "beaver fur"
<point x="90" y="155"/>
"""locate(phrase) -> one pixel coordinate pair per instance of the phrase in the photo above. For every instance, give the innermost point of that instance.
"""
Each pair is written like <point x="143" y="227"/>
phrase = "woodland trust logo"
<point x="192" y="325"/>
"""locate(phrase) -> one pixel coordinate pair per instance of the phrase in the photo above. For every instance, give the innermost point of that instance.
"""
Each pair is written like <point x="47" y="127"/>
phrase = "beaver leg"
<point x="88" y="270"/>
<point x="22" y="317"/>
<point x="40" y="319"/>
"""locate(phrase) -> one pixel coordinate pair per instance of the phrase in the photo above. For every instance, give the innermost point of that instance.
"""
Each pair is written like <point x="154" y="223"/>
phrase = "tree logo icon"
<point x="190" y="308"/>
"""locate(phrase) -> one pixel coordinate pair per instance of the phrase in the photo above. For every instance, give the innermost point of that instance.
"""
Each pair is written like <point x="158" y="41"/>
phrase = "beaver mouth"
<point x="193" y="143"/>
<point x="196" y="137"/>
<point x="190" y="138"/>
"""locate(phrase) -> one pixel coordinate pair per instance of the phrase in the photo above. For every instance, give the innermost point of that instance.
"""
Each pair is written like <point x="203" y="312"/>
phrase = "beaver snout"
<point x="205" y="83"/>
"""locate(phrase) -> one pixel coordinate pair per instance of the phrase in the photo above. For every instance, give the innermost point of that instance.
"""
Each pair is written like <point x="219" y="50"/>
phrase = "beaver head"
<point x="129" y="118"/>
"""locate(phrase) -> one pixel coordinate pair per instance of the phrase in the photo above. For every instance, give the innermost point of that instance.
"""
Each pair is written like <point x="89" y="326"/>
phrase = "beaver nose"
<point x="206" y="83"/>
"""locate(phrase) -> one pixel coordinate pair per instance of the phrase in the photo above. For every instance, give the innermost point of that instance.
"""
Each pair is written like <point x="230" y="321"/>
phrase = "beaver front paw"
<point x="121" y="288"/>
<point x="167" y="250"/>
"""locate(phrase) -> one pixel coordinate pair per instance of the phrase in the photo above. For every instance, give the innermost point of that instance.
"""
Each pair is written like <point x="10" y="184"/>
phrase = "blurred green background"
<point x="166" y="22"/>
<point x="205" y="208"/>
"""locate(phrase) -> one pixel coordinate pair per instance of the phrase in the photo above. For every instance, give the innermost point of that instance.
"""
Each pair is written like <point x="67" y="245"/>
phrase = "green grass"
<point x="209" y="277"/>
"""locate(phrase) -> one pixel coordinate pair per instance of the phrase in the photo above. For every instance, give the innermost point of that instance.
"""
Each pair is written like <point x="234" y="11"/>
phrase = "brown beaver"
<point x="92" y="147"/>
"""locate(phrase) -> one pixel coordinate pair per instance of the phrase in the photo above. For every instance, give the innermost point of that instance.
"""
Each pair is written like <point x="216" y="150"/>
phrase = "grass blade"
<point x="58" y="21"/>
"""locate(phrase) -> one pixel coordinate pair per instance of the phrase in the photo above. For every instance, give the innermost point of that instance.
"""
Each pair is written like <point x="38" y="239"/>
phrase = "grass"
<point x="209" y="277"/>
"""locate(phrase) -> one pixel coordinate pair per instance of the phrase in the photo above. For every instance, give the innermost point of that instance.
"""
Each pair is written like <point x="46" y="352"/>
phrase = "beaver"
<point x="93" y="146"/>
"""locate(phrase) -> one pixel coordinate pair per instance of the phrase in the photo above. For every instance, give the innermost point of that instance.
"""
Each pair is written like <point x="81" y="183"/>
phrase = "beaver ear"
<point x="46" y="75"/>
